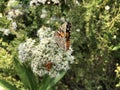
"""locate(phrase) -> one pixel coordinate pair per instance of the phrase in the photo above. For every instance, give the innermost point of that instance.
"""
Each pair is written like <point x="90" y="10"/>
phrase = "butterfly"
<point x="48" y="66"/>
<point x="62" y="36"/>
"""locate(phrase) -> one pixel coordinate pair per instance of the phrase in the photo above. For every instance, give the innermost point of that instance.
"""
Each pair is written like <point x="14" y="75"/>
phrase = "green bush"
<point x="7" y="68"/>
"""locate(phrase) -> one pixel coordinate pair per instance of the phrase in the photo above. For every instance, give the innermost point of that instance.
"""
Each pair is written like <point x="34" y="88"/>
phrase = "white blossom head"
<point x="5" y="31"/>
<point x="14" y="13"/>
<point x="55" y="1"/>
<point x="25" y="50"/>
<point x="14" y="25"/>
<point x="38" y="2"/>
<point x="13" y="4"/>
<point x="107" y="7"/>
<point x="46" y="57"/>
<point x="78" y="30"/>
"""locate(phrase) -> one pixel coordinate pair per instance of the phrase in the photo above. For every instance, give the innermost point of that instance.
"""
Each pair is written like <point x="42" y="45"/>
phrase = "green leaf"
<point x="55" y="80"/>
<point x="26" y="75"/>
<point x="7" y="86"/>
<point x="116" y="47"/>
<point x="4" y="23"/>
<point x="49" y="82"/>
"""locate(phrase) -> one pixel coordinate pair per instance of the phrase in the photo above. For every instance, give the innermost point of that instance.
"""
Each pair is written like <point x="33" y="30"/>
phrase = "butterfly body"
<point x="62" y="36"/>
<point x="48" y="65"/>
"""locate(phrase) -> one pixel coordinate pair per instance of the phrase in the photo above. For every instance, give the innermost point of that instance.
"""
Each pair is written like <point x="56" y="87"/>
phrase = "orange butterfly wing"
<point x="62" y="36"/>
<point x="48" y="65"/>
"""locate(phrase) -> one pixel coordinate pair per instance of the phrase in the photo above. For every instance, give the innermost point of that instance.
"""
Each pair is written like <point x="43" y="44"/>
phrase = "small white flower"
<point x="32" y="2"/>
<point x="14" y="25"/>
<point x="0" y="15"/>
<point x="114" y="36"/>
<point x="13" y="4"/>
<point x="78" y="30"/>
<point x="6" y="32"/>
<point x="48" y="2"/>
<point x="2" y="88"/>
<point x="11" y="13"/>
<point x="42" y="1"/>
<point x="18" y="12"/>
<point x="14" y="13"/>
<point x="56" y="1"/>
<point x="76" y="1"/>
<point x="35" y="2"/>
<point x="43" y="15"/>
<point x="107" y="7"/>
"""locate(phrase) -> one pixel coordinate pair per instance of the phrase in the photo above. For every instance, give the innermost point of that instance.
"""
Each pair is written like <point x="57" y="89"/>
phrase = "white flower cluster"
<point x="13" y="4"/>
<point x="14" y="9"/>
<point x="8" y="31"/>
<point x="38" y="2"/>
<point x="46" y="57"/>
<point x="55" y="1"/>
<point x="5" y="31"/>
<point x="14" y="25"/>
<point x="13" y="14"/>
<point x="78" y="30"/>
<point x="107" y="7"/>
<point x="25" y="50"/>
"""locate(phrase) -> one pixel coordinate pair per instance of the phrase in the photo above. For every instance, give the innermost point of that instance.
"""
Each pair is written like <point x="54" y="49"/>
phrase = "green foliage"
<point x="7" y="69"/>
<point x="7" y="86"/>
<point x="2" y="5"/>
<point x="26" y="76"/>
<point x="99" y="32"/>
<point x="4" y="23"/>
<point x="48" y="82"/>
<point x="5" y="59"/>
<point x="117" y="70"/>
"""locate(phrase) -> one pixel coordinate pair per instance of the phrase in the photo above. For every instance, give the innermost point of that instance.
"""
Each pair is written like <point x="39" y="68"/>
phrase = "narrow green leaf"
<point x="48" y="82"/>
<point x="26" y="75"/>
<point x="32" y="79"/>
<point x="7" y="85"/>
<point x="44" y="80"/>
<point x="116" y="48"/>
<point x="55" y="80"/>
